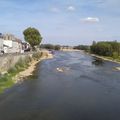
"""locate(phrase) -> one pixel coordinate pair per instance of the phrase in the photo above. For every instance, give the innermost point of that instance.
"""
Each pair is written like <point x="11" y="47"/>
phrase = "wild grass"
<point x="7" y="80"/>
<point x="37" y="55"/>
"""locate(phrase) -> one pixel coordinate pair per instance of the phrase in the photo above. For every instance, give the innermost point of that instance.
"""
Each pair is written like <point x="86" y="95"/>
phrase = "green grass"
<point x="112" y="58"/>
<point x="7" y="80"/>
<point x="37" y="55"/>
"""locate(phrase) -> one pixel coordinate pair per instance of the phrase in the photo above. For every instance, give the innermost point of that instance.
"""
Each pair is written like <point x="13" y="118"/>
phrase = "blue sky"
<point x="69" y="22"/>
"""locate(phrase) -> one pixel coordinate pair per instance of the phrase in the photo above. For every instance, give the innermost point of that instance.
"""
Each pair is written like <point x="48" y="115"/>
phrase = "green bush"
<point x="4" y="78"/>
<point x="12" y="70"/>
<point x="115" y="55"/>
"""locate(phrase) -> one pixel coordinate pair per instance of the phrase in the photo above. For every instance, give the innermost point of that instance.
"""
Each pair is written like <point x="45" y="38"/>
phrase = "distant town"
<point x="11" y="44"/>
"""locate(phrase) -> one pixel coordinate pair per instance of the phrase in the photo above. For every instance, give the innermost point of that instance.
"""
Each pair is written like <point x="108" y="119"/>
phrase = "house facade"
<point x="10" y="44"/>
<point x="17" y="46"/>
<point x="1" y="44"/>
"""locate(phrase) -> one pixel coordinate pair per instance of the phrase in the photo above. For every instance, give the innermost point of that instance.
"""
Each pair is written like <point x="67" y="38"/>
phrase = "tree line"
<point x="82" y="47"/>
<point x="50" y="46"/>
<point x="106" y="48"/>
<point x="103" y="48"/>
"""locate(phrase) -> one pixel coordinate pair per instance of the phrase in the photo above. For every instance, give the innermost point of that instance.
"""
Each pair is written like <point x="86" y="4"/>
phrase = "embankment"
<point x="14" y="67"/>
<point x="108" y="59"/>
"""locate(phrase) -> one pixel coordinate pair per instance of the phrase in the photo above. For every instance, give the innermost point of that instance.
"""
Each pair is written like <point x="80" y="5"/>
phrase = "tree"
<point x="32" y="36"/>
<point x="50" y="46"/>
<point x="82" y="47"/>
<point x="106" y="48"/>
<point x="57" y="47"/>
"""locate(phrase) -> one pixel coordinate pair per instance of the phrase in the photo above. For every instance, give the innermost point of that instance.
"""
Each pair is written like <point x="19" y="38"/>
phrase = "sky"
<point x="65" y="22"/>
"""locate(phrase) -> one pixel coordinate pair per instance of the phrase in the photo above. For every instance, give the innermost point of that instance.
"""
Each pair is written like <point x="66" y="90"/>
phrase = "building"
<point x="17" y="46"/>
<point x="1" y="45"/>
<point x="7" y="46"/>
<point x="10" y="44"/>
<point x="8" y="37"/>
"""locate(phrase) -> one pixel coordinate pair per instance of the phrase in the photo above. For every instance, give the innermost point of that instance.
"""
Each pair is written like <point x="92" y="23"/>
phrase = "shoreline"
<point x="69" y="50"/>
<point x="107" y="59"/>
<point x="104" y="58"/>
<point x="20" y="77"/>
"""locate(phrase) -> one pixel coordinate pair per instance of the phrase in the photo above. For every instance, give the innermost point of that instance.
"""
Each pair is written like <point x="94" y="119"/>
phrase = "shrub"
<point x="115" y="55"/>
<point x="37" y="55"/>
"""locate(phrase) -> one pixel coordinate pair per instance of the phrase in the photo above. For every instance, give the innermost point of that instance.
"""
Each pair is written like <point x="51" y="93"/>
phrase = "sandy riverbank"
<point x="29" y="71"/>
<point x="69" y="50"/>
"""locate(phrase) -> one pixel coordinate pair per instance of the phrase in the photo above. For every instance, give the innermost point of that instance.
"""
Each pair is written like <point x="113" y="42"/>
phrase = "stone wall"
<point x="8" y="61"/>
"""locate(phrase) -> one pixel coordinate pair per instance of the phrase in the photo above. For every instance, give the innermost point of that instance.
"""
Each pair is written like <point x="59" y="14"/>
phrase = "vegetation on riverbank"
<point x="109" y="50"/>
<point x="50" y="46"/>
<point x="82" y="47"/>
<point x="8" y="79"/>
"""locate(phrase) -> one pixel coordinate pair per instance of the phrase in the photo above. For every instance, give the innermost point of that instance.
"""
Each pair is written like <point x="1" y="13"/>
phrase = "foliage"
<point x="57" y="47"/>
<point x="32" y="36"/>
<point x="115" y="55"/>
<point x="6" y="80"/>
<point x="37" y="55"/>
<point x="104" y="48"/>
<point x="82" y="47"/>
<point x="50" y="46"/>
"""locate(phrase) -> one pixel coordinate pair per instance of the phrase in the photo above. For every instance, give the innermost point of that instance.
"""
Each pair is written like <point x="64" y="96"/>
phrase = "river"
<point x="85" y="90"/>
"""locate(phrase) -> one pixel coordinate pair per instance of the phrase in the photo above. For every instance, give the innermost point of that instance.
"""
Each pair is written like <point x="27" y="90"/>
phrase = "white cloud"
<point x="90" y="20"/>
<point x="55" y="10"/>
<point x="71" y="8"/>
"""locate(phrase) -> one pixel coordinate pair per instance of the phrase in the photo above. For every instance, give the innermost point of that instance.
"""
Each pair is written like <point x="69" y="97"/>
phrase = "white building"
<point x="17" y="46"/>
<point x="1" y="44"/>
<point x="7" y="46"/>
<point x="10" y="44"/>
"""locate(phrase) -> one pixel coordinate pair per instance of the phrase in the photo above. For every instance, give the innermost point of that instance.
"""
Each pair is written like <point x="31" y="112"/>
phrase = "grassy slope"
<point x="7" y="80"/>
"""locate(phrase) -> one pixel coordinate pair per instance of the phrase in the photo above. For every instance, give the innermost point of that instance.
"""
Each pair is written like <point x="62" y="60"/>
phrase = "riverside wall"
<point x="8" y="61"/>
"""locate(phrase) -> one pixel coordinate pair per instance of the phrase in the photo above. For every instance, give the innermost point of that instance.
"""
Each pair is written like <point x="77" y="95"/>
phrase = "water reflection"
<point x="97" y="61"/>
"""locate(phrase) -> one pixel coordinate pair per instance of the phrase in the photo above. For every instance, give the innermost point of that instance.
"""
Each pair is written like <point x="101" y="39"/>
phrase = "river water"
<point x="85" y="90"/>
